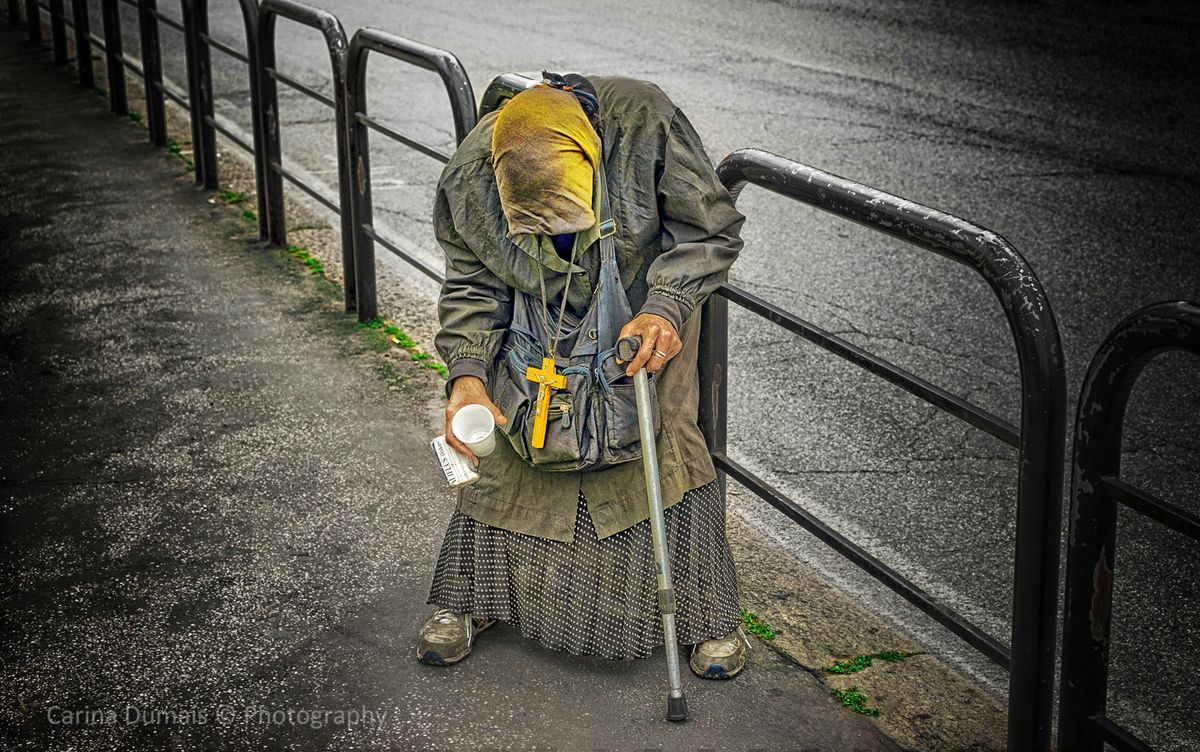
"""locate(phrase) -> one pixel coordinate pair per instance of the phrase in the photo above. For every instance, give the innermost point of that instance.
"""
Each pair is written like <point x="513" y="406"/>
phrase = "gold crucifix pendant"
<point x="546" y="380"/>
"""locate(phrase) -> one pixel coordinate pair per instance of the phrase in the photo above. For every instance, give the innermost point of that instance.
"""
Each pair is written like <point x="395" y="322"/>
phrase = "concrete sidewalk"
<point x="220" y="512"/>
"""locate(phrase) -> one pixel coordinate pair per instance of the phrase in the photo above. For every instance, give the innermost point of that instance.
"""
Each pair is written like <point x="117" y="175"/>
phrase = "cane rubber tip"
<point x="676" y="708"/>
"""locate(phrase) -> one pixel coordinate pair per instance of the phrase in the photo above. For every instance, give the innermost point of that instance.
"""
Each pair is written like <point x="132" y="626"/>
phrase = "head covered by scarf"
<point x="544" y="153"/>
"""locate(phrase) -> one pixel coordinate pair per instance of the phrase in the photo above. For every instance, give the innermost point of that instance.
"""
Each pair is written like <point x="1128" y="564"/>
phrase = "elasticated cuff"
<point x="466" y="367"/>
<point x="670" y="309"/>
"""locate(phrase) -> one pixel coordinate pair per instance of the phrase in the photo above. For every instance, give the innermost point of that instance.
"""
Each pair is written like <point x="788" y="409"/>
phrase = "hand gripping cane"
<point x="627" y="347"/>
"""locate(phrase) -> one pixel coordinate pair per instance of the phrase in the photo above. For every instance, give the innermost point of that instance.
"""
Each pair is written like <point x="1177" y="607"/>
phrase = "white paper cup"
<point x="474" y="426"/>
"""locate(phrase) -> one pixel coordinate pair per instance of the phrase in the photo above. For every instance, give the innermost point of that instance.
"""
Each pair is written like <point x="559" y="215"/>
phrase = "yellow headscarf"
<point x="544" y="152"/>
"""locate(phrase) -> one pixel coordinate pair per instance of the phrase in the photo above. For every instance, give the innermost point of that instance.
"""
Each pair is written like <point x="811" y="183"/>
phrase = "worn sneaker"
<point x="447" y="637"/>
<point x="721" y="658"/>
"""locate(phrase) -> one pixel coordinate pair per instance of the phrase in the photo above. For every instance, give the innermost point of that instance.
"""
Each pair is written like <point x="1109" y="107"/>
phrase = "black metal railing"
<point x="201" y="108"/>
<point x="1039" y="439"/>
<point x="462" y="106"/>
<point x="1096" y="492"/>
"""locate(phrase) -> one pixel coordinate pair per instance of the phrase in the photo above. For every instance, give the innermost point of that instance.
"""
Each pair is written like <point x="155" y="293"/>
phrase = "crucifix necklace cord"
<point x="546" y="377"/>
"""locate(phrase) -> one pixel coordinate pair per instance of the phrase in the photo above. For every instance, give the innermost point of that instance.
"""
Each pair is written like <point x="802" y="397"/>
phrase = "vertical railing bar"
<point x="111" y="15"/>
<point x="250" y="21"/>
<point x="58" y="32"/>
<point x="33" y="20"/>
<point x="360" y="163"/>
<point x="83" y="43"/>
<point x="156" y="116"/>
<point x="205" y="151"/>
<point x="195" y="107"/>
<point x="713" y="362"/>
<point x="271" y="186"/>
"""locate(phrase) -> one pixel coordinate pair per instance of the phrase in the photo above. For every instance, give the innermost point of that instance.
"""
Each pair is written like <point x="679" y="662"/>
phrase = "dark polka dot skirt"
<point x="590" y="596"/>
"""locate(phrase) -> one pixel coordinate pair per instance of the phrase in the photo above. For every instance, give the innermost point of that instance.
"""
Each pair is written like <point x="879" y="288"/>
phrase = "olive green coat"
<point x="677" y="235"/>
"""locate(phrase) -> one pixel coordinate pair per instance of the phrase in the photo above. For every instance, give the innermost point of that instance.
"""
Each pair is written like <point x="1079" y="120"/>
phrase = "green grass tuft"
<point x="233" y="197"/>
<point x="301" y="253"/>
<point x="855" y="700"/>
<point x="755" y="625"/>
<point x="397" y="336"/>
<point x="852" y="666"/>
<point x="135" y="116"/>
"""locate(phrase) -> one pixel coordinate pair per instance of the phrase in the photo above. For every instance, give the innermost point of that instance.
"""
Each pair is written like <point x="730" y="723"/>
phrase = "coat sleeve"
<point x="700" y="227"/>
<point x="475" y="306"/>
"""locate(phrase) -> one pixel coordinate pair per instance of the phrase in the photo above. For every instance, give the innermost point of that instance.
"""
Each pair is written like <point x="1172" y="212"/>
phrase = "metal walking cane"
<point x="627" y="347"/>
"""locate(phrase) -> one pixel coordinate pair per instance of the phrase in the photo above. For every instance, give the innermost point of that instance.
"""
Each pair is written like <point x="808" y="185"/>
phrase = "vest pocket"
<point x="623" y="439"/>
<point x="568" y="427"/>
<point x="513" y="402"/>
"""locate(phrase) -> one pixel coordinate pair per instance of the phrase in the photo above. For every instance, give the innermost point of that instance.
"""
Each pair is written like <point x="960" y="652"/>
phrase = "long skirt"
<point x="590" y="596"/>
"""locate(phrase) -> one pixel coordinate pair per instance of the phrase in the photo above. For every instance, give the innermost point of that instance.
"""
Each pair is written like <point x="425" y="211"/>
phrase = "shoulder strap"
<point x="608" y="226"/>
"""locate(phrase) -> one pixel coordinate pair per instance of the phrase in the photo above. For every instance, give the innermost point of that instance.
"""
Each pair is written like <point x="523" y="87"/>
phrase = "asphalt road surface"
<point x="1068" y="129"/>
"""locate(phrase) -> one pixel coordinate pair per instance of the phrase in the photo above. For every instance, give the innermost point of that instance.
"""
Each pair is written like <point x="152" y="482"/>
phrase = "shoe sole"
<point x="434" y="658"/>
<point x="717" y="671"/>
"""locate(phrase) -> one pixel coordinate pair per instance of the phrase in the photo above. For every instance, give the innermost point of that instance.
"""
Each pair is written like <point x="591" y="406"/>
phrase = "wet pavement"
<point x="1067" y="128"/>
<point x="219" y="522"/>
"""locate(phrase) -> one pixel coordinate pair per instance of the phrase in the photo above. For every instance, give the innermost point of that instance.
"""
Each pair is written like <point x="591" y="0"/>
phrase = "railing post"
<point x="462" y="106"/>
<point x="713" y="360"/>
<point x="33" y="20"/>
<point x="58" y="32"/>
<point x="195" y="111"/>
<point x="338" y="48"/>
<point x="156" y="118"/>
<point x="200" y="106"/>
<point x="111" y="15"/>
<point x="270" y="156"/>
<point x="14" y="11"/>
<point x="1043" y="399"/>
<point x="1092" y="537"/>
<point x="339" y="53"/>
<point x="250" y="21"/>
<point x="360" y="182"/>
<point x="83" y="43"/>
<point x="1038" y="522"/>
